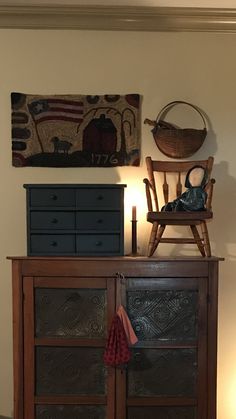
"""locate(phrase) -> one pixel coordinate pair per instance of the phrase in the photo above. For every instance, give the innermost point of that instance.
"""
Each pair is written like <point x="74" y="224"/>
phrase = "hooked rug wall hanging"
<point x="75" y="130"/>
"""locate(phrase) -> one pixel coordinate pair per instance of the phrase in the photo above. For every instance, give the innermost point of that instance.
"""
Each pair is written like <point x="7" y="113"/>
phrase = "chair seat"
<point x="174" y="218"/>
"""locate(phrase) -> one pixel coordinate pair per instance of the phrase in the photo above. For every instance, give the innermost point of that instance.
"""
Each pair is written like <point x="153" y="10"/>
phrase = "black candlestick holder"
<point x="134" y="237"/>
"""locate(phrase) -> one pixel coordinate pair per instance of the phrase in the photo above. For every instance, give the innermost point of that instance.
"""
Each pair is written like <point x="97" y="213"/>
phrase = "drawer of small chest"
<point x="99" y="198"/>
<point x="52" y="220"/>
<point x="52" y="244"/>
<point x="52" y="197"/>
<point x="98" y="244"/>
<point x="98" y="220"/>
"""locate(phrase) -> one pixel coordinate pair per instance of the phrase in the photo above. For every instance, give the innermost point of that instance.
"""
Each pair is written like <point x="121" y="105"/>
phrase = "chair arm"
<point x="147" y="182"/>
<point x="148" y="188"/>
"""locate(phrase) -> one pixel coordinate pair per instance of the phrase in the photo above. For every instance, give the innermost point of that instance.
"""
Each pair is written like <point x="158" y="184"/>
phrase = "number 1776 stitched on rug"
<point x="75" y="130"/>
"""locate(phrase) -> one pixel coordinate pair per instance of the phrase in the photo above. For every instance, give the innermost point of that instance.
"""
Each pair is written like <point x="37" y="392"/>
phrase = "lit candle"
<point x="134" y="213"/>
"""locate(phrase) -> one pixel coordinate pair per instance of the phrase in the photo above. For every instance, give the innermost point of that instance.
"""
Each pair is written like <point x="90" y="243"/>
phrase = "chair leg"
<point x="198" y="240"/>
<point x="206" y="238"/>
<point x="156" y="235"/>
<point x="151" y="244"/>
<point x="159" y="234"/>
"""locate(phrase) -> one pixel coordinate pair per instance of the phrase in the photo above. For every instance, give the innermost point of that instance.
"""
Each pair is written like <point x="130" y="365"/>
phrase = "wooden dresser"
<point x="62" y="310"/>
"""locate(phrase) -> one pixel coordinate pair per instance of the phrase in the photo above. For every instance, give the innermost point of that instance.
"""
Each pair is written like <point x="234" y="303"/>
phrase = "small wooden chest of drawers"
<point x="75" y="219"/>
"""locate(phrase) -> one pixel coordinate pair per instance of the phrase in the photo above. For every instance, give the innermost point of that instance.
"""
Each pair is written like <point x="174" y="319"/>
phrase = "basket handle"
<point x="177" y="102"/>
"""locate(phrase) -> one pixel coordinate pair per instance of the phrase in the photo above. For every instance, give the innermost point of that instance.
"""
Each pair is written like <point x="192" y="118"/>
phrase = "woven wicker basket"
<point x="177" y="142"/>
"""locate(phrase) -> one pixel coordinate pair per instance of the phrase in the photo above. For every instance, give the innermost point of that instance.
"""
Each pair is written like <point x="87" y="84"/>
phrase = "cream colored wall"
<point x="200" y="68"/>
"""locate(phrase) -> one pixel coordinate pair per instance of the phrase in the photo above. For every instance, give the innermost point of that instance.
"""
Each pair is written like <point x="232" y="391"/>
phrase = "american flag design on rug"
<point x="75" y="130"/>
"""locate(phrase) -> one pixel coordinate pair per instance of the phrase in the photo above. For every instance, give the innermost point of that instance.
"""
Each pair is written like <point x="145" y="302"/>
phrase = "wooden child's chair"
<point x="160" y="219"/>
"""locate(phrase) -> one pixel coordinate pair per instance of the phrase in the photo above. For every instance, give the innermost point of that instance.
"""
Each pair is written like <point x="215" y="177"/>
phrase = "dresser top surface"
<point x="74" y="185"/>
<point x="121" y="258"/>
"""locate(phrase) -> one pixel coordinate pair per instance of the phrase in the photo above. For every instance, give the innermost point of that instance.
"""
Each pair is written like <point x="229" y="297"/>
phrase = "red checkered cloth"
<point x="117" y="351"/>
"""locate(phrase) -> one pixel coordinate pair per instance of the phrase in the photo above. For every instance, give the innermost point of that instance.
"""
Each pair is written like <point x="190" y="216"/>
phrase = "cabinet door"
<point x="166" y="377"/>
<point x="65" y="323"/>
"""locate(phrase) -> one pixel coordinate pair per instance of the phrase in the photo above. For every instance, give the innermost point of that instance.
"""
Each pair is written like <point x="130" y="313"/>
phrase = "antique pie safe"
<point x="62" y="310"/>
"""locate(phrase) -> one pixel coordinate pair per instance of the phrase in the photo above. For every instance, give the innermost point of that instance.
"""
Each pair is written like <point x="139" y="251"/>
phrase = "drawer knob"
<point x="54" y="221"/>
<point x="53" y="197"/>
<point x="98" y="243"/>
<point x="100" y="221"/>
<point x="100" y="197"/>
<point x="54" y="244"/>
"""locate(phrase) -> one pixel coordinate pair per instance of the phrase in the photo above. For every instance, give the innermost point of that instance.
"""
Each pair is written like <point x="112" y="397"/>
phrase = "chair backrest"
<point x="180" y="168"/>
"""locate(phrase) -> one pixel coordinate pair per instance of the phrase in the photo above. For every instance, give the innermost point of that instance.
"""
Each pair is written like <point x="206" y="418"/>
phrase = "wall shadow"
<point x="223" y="229"/>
